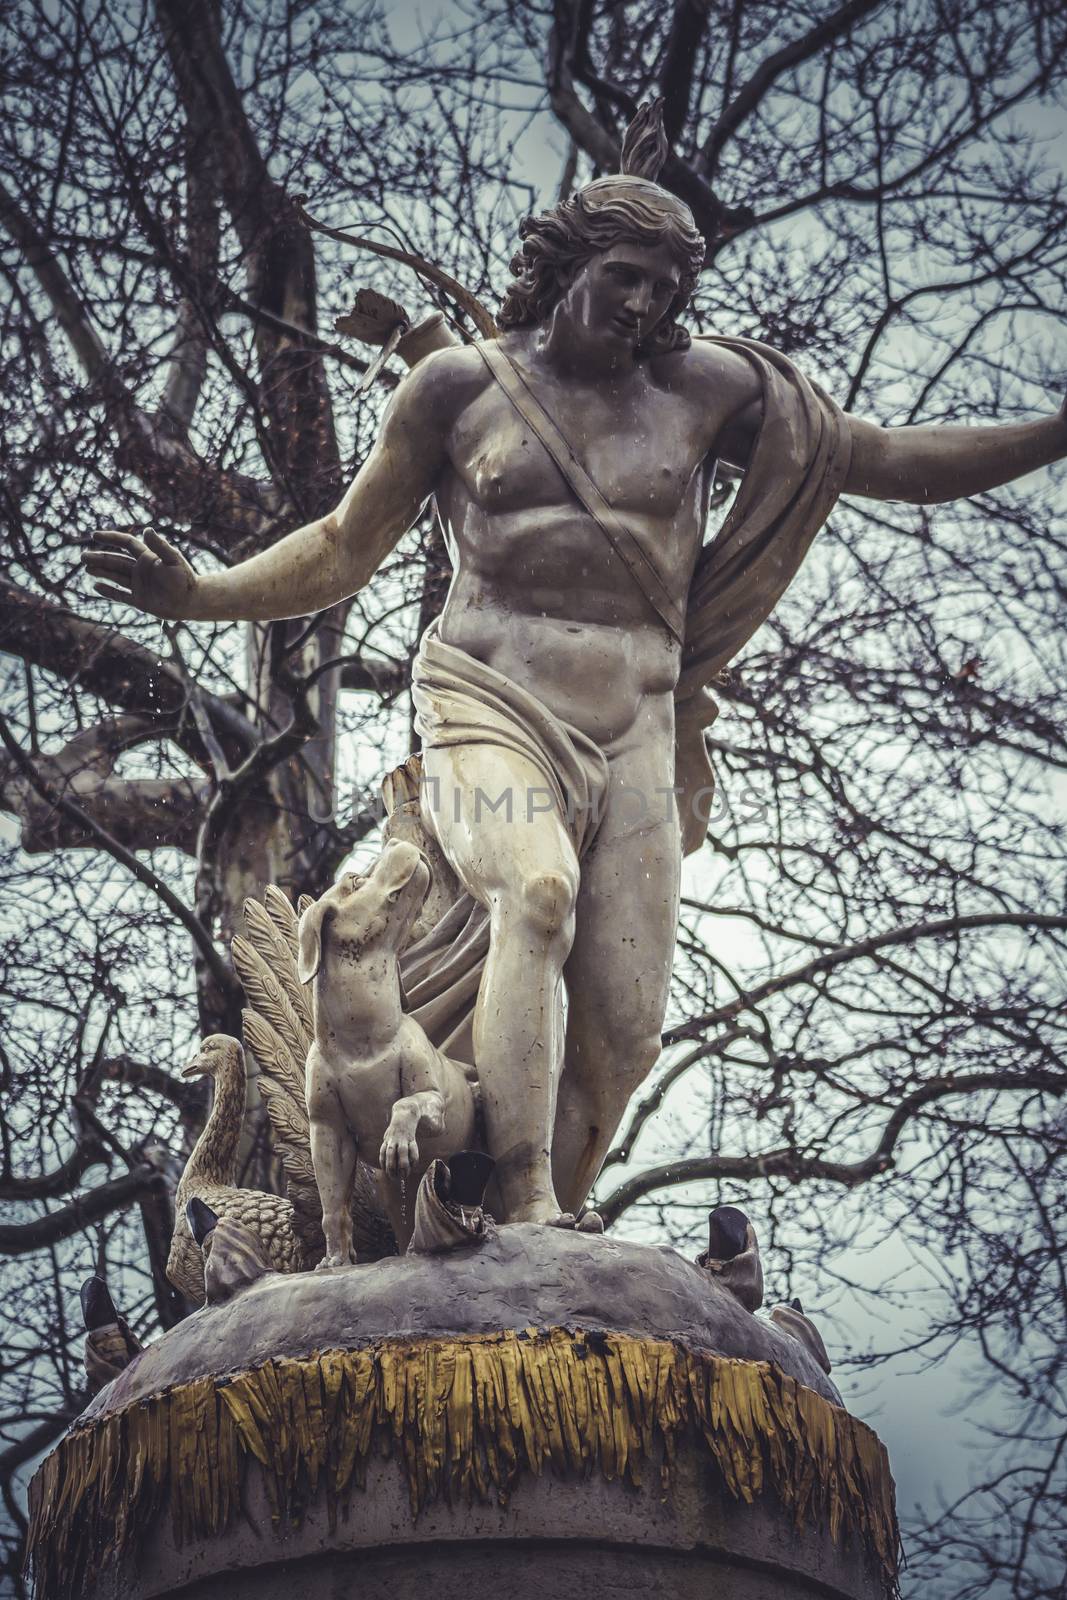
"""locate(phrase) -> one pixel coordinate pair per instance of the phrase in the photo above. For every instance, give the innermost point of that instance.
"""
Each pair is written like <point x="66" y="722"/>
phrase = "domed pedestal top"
<point x="549" y="1412"/>
<point x="523" y="1277"/>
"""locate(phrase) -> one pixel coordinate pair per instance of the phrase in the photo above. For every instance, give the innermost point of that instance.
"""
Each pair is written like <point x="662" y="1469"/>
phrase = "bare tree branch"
<point x="88" y="1152"/>
<point x="689" y="18"/>
<point x="20" y="1238"/>
<point x="361" y="675"/>
<point x="942" y="927"/>
<point x="715" y="221"/>
<point x="167" y="466"/>
<point x="119" y="670"/>
<point x="797" y="1167"/>
<point x="188" y="364"/>
<point x="224" y="978"/>
<point x="278" y="249"/>
<point x="69" y="310"/>
<point x="140" y="813"/>
<point x="124" y="1069"/>
<point x="753" y="91"/>
<point x="37" y="1439"/>
<point x="233" y="788"/>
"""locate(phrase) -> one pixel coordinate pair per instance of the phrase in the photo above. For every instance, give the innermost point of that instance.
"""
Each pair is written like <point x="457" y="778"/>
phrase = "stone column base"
<point x="556" y="1538"/>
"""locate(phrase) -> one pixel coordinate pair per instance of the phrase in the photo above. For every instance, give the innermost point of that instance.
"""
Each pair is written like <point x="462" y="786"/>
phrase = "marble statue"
<point x="233" y="1252"/>
<point x="110" y="1346"/>
<point x="561" y="695"/>
<point x="211" y="1176"/>
<point x="732" y="1258"/>
<point x="449" y="1210"/>
<point x="280" y="1027"/>
<point x="375" y="1126"/>
<point x="376" y="1087"/>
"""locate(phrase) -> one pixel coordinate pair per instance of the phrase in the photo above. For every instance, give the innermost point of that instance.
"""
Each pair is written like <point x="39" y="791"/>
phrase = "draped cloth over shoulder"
<point x="794" y="475"/>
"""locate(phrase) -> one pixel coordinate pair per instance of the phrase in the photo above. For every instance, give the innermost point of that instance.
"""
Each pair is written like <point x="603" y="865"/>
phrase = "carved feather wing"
<point x="278" y="1029"/>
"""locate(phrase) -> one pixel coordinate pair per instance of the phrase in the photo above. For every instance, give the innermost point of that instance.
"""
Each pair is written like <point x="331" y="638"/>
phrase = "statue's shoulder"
<point x="439" y="386"/>
<point x="456" y="361"/>
<point x="448" y="371"/>
<point x="713" y="370"/>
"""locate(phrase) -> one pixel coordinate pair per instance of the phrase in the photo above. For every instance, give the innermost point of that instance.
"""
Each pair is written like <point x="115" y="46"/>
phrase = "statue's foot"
<point x="538" y="1208"/>
<point x="336" y="1258"/>
<point x="588" y="1222"/>
<point x="547" y="1213"/>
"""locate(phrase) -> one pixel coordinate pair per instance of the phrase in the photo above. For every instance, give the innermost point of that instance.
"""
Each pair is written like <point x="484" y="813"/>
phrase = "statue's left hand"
<point x="148" y="573"/>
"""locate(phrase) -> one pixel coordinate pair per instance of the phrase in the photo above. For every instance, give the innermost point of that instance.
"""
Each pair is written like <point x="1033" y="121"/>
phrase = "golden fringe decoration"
<point x="466" y="1417"/>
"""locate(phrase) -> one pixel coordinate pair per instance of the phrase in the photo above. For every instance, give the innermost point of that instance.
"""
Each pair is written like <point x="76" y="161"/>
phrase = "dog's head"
<point x="363" y="911"/>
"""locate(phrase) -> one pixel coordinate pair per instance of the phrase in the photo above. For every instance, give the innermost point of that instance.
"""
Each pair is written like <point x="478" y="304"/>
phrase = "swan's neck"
<point x="214" y="1157"/>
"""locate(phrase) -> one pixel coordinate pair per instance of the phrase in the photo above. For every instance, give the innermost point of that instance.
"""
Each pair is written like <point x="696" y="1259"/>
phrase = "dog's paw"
<point x="399" y="1153"/>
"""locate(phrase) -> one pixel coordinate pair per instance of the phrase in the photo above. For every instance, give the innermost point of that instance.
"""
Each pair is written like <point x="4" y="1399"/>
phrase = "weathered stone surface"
<point x="560" y="1531"/>
<point x="525" y="1276"/>
<point x="557" y="1537"/>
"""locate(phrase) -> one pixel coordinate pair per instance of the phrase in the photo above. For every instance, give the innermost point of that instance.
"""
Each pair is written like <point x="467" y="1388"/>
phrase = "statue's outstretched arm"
<point x="935" y="462"/>
<point x="318" y="564"/>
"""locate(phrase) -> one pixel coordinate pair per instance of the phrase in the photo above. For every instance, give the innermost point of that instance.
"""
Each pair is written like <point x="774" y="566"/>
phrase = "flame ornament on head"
<point x="645" y="148"/>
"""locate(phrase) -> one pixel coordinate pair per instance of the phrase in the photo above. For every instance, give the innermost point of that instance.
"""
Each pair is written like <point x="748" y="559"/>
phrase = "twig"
<point x="221" y="973"/>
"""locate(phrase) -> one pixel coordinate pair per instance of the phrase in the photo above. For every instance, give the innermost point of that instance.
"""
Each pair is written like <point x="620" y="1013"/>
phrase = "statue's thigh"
<point x="489" y="810"/>
<point x="619" y="970"/>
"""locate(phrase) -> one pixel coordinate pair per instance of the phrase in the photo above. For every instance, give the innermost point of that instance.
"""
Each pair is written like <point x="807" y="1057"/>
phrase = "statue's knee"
<point x="547" y="900"/>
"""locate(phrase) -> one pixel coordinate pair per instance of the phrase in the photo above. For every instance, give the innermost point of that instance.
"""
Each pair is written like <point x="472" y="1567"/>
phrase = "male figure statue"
<point x="551" y="676"/>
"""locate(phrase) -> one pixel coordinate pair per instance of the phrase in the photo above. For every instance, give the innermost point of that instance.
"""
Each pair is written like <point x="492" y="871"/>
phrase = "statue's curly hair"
<point x="605" y="213"/>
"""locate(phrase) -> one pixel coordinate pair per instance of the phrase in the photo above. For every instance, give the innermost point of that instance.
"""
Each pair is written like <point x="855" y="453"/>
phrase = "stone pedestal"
<point x="555" y="1537"/>
<point x="548" y="1414"/>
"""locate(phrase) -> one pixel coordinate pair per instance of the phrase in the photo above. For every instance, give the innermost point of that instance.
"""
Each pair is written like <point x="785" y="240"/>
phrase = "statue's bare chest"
<point x="641" y="450"/>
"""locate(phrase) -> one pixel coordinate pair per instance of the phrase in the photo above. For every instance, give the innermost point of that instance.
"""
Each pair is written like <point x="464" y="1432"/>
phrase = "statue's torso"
<point x="538" y="591"/>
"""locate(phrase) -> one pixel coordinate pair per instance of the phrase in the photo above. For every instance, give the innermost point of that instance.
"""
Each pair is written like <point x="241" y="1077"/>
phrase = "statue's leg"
<point x="618" y="973"/>
<point x="510" y="849"/>
<point x="333" y="1157"/>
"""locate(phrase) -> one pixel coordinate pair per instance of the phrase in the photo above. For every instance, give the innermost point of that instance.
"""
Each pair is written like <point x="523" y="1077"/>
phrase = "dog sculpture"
<point x="376" y="1086"/>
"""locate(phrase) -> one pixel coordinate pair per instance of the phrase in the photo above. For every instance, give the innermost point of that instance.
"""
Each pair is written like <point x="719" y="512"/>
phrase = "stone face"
<point x="527" y="1276"/>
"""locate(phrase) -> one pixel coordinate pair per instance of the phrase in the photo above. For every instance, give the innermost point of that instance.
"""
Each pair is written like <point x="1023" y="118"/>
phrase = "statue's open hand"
<point x="148" y="573"/>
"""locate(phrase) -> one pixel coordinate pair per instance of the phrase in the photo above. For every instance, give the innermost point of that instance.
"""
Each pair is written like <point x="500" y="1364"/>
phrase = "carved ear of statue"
<point x="645" y="147"/>
<point x="309" y="941"/>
